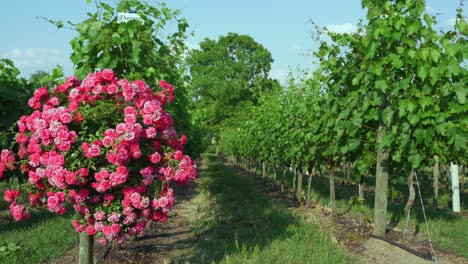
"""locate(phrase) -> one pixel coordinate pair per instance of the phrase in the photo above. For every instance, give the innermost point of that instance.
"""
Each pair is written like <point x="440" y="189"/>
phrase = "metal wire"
<point x="425" y="219"/>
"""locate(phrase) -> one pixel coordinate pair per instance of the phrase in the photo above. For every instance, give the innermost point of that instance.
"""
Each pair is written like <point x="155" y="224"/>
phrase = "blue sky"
<point x="280" y="25"/>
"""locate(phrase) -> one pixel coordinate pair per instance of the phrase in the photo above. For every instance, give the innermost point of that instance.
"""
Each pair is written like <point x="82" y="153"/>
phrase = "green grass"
<point x="238" y="224"/>
<point x="42" y="237"/>
<point x="447" y="229"/>
<point x="451" y="235"/>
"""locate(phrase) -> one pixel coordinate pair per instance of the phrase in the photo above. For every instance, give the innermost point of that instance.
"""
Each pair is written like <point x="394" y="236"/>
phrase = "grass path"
<point x="226" y="219"/>
<point x="233" y="222"/>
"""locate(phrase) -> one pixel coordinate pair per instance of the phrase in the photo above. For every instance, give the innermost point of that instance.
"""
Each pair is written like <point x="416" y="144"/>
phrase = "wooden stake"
<point x="86" y="248"/>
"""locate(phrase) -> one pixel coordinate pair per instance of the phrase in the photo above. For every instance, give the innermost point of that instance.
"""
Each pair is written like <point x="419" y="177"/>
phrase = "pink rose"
<point x="112" y="89"/>
<point x="90" y="230"/>
<point x="155" y="158"/>
<point x="19" y="212"/>
<point x="11" y="195"/>
<point x="100" y="215"/>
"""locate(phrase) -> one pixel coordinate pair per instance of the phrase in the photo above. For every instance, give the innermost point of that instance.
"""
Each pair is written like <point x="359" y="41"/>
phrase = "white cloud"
<point x="32" y="59"/>
<point x="342" y="28"/>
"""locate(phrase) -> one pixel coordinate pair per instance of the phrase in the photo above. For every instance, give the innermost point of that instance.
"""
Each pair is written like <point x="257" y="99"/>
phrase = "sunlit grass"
<point x="238" y="224"/>
<point x="42" y="237"/>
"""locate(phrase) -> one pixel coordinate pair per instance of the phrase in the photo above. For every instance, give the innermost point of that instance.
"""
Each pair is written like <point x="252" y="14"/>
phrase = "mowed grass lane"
<point x="236" y="223"/>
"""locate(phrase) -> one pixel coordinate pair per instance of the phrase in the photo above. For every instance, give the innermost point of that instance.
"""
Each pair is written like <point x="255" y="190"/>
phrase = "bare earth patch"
<point x="161" y="242"/>
<point x="357" y="239"/>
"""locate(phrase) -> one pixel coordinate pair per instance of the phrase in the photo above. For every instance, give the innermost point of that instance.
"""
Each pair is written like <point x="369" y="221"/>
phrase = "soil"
<point x="358" y="239"/>
<point x="162" y="243"/>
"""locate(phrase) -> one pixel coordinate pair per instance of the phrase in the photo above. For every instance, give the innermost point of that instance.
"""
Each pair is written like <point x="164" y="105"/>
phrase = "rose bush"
<point x="104" y="145"/>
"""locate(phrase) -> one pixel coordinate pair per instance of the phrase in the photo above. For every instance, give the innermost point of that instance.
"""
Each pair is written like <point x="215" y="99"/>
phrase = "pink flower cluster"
<point x="17" y="210"/>
<point x="7" y="160"/>
<point x="116" y="177"/>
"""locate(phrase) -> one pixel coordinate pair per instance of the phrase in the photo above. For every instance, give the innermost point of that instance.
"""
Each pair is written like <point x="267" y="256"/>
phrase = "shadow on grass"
<point x="38" y="217"/>
<point x="345" y="191"/>
<point x="242" y="217"/>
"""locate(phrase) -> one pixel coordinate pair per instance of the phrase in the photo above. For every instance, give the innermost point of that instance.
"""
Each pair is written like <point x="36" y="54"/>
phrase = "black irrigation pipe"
<point x="424" y="256"/>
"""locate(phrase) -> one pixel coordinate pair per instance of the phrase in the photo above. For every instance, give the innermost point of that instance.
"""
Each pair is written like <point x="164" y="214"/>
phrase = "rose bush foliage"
<point x="104" y="145"/>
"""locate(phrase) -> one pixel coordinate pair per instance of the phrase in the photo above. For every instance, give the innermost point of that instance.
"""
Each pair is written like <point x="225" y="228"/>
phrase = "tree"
<point x="137" y="49"/>
<point x="41" y="78"/>
<point x="15" y="92"/>
<point x="227" y="75"/>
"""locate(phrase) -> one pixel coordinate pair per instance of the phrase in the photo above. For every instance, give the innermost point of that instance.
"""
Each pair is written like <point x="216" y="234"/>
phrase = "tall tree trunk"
<point x="344" y="172"/>
<point x="332" y="191"/>
<point x="381" y="184"/>
<point x="349" y="167"/>
<point x="217" y="150"/>
<point x="435" y="180"/>
<point x="282" y="180"/>
<point x="361" y="199"/>
<point x="412" y="192"/>
<point x="256" y="168"/>
<point x="294" y="180"/>
<point x="263" y="169"/>
<point x="447" y="179"/>
<point x="86" y="249"/>
<point x="299" y="184"/>
<point x="309" y="185"/>
<point x="274" y="172"/>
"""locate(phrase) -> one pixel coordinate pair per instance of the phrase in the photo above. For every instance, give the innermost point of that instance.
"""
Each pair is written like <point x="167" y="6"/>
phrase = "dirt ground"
<point x="170" y="241"/>
<point x="358" y="239"/>
<point x="160" y="243"/>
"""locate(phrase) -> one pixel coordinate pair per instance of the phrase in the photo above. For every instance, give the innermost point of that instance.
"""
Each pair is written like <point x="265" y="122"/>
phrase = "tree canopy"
<point x="227" y="75"/>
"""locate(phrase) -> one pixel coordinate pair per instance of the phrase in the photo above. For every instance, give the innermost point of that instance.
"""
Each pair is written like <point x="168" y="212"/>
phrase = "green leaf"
<point x="356" y="80"/>
<point x="460" y="91"/>
<point x="422" y="71"/>
<point x="415" y="160"/>
<point x="378" y="70"/>
<point x="58" y="23"/>
<point x="413" y="119"/>
<point x="424" y="53"/>
<point x="435" y="55"/>
<point x="381" y="84"/>
<point x="454" y="67"/>
<point x="388" y="140"/>
<point x="413" y="27"/>
<point x="460" y="142"/>
<point x="396" y="61"/>
<point x="450" y="50"/>
<point x="387" y="115"/>
<point x="428" y="19"/>
<point x="411" y="106"/>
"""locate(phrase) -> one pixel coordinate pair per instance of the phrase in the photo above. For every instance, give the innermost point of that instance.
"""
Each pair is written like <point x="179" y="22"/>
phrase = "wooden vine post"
<point x="299" y="184"/>
<point x="332" y="191"/>
<point x="86" y="248"/>
<point x="381" y="186"/>
<point x="436" y="176"/>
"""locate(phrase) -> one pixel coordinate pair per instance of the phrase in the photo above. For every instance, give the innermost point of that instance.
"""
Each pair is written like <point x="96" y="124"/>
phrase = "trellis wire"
<point x="425" y="219"/>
